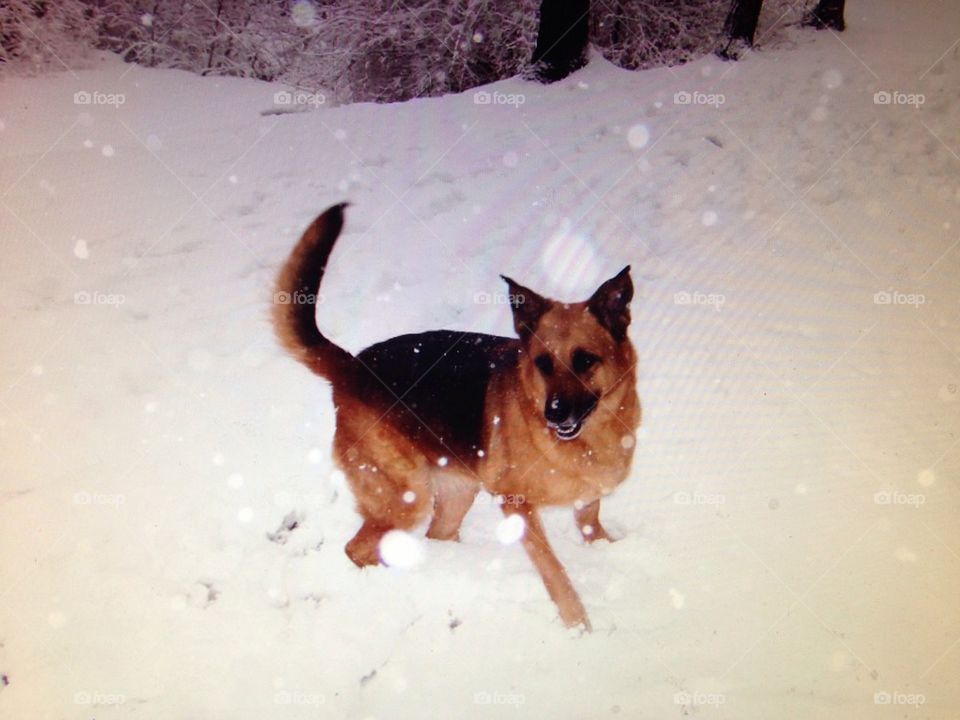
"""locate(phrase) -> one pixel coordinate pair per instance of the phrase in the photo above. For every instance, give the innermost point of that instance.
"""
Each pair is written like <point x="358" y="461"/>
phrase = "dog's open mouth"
<point x="568" y="431"/>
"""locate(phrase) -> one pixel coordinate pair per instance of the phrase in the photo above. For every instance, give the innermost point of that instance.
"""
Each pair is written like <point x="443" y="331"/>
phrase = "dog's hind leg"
<point x="364" y="548"/>
<point x="555" y="578"/>
<point x="395" y="503"/>
<point x="392" y="492"/>
<point x="588" y="520"/>
<point x="453" y="496"/>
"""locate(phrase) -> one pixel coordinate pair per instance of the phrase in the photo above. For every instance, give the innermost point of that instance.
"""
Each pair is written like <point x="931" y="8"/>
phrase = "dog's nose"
<point x="557" y="410"/>
<point x="561" y="411"/>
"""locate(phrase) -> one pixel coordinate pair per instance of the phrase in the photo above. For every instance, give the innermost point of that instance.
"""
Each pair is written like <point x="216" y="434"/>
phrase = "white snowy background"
<point x="789" y="532"/>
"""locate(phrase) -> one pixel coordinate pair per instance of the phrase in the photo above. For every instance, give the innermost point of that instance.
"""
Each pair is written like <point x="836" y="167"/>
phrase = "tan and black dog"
<point x="425" y="421"/>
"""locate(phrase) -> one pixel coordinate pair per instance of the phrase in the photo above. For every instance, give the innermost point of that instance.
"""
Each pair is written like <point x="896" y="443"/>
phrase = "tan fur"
<point x="389" y="449"/>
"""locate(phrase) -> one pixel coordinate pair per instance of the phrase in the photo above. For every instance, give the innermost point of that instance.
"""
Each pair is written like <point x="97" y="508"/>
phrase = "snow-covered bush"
<point x="37" y="35"/>
<point x="430" y="47"/>
<point x="379" y="50"/>
<point x="645" y="33"/>
<point x="636" y="34"/>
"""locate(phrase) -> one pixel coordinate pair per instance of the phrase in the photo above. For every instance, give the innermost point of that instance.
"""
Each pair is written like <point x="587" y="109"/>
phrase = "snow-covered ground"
<point x="789" y="533"/>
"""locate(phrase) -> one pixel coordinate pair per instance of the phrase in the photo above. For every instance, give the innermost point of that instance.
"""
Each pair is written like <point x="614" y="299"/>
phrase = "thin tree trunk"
<point x="740" y="28"/>
<point x="561" y="39"/>
<point x="153" y="33"/>
<point x="213" y="40"/>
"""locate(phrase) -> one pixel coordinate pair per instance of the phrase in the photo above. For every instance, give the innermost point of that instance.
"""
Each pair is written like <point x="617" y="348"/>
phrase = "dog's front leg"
<point x="588" y="520"/>
<point x="555" y="578"/>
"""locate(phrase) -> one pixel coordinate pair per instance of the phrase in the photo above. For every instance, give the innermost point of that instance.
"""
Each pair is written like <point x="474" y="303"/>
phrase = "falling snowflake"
<point x="303" y="13"/>
<point x="638" y="136"/>
<point x="80" y="249"/>
<point x="832" y="79"/>
<point x="511" y="529"/>
<point x="677" y="598"/>
<point x="400" y="549"/>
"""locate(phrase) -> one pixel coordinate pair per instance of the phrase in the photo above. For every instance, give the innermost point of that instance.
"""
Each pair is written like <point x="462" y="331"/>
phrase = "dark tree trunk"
<point x="740" y="27"/>
<point x="827" y="14"/>
<point x="561" y="39"/>
<point x="213" y="39"/>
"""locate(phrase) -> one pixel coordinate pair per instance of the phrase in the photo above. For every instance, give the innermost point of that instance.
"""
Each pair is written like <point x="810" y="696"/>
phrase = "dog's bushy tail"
<point x="296" y="297"/>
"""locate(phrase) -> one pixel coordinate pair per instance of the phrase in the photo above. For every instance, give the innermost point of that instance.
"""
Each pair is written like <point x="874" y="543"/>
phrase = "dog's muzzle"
<point x="566" y="419"/>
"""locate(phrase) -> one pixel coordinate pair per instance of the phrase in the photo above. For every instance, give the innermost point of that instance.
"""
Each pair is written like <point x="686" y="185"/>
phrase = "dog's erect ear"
<point x="527" y="307"/>
<point x="610" y="304"/>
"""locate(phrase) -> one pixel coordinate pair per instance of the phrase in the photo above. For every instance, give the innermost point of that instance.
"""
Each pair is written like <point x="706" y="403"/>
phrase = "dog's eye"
<point x="544" y="364"/>
<point x="583" y="361"/>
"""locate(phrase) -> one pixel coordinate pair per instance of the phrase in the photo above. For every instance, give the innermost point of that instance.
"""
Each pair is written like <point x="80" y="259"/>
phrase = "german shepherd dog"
<point x="424" y="421"/>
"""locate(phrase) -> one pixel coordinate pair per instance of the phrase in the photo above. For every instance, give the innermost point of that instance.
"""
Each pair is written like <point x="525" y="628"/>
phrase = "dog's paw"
<point x="591" y="534"/>
<point x="577" y="620"/>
